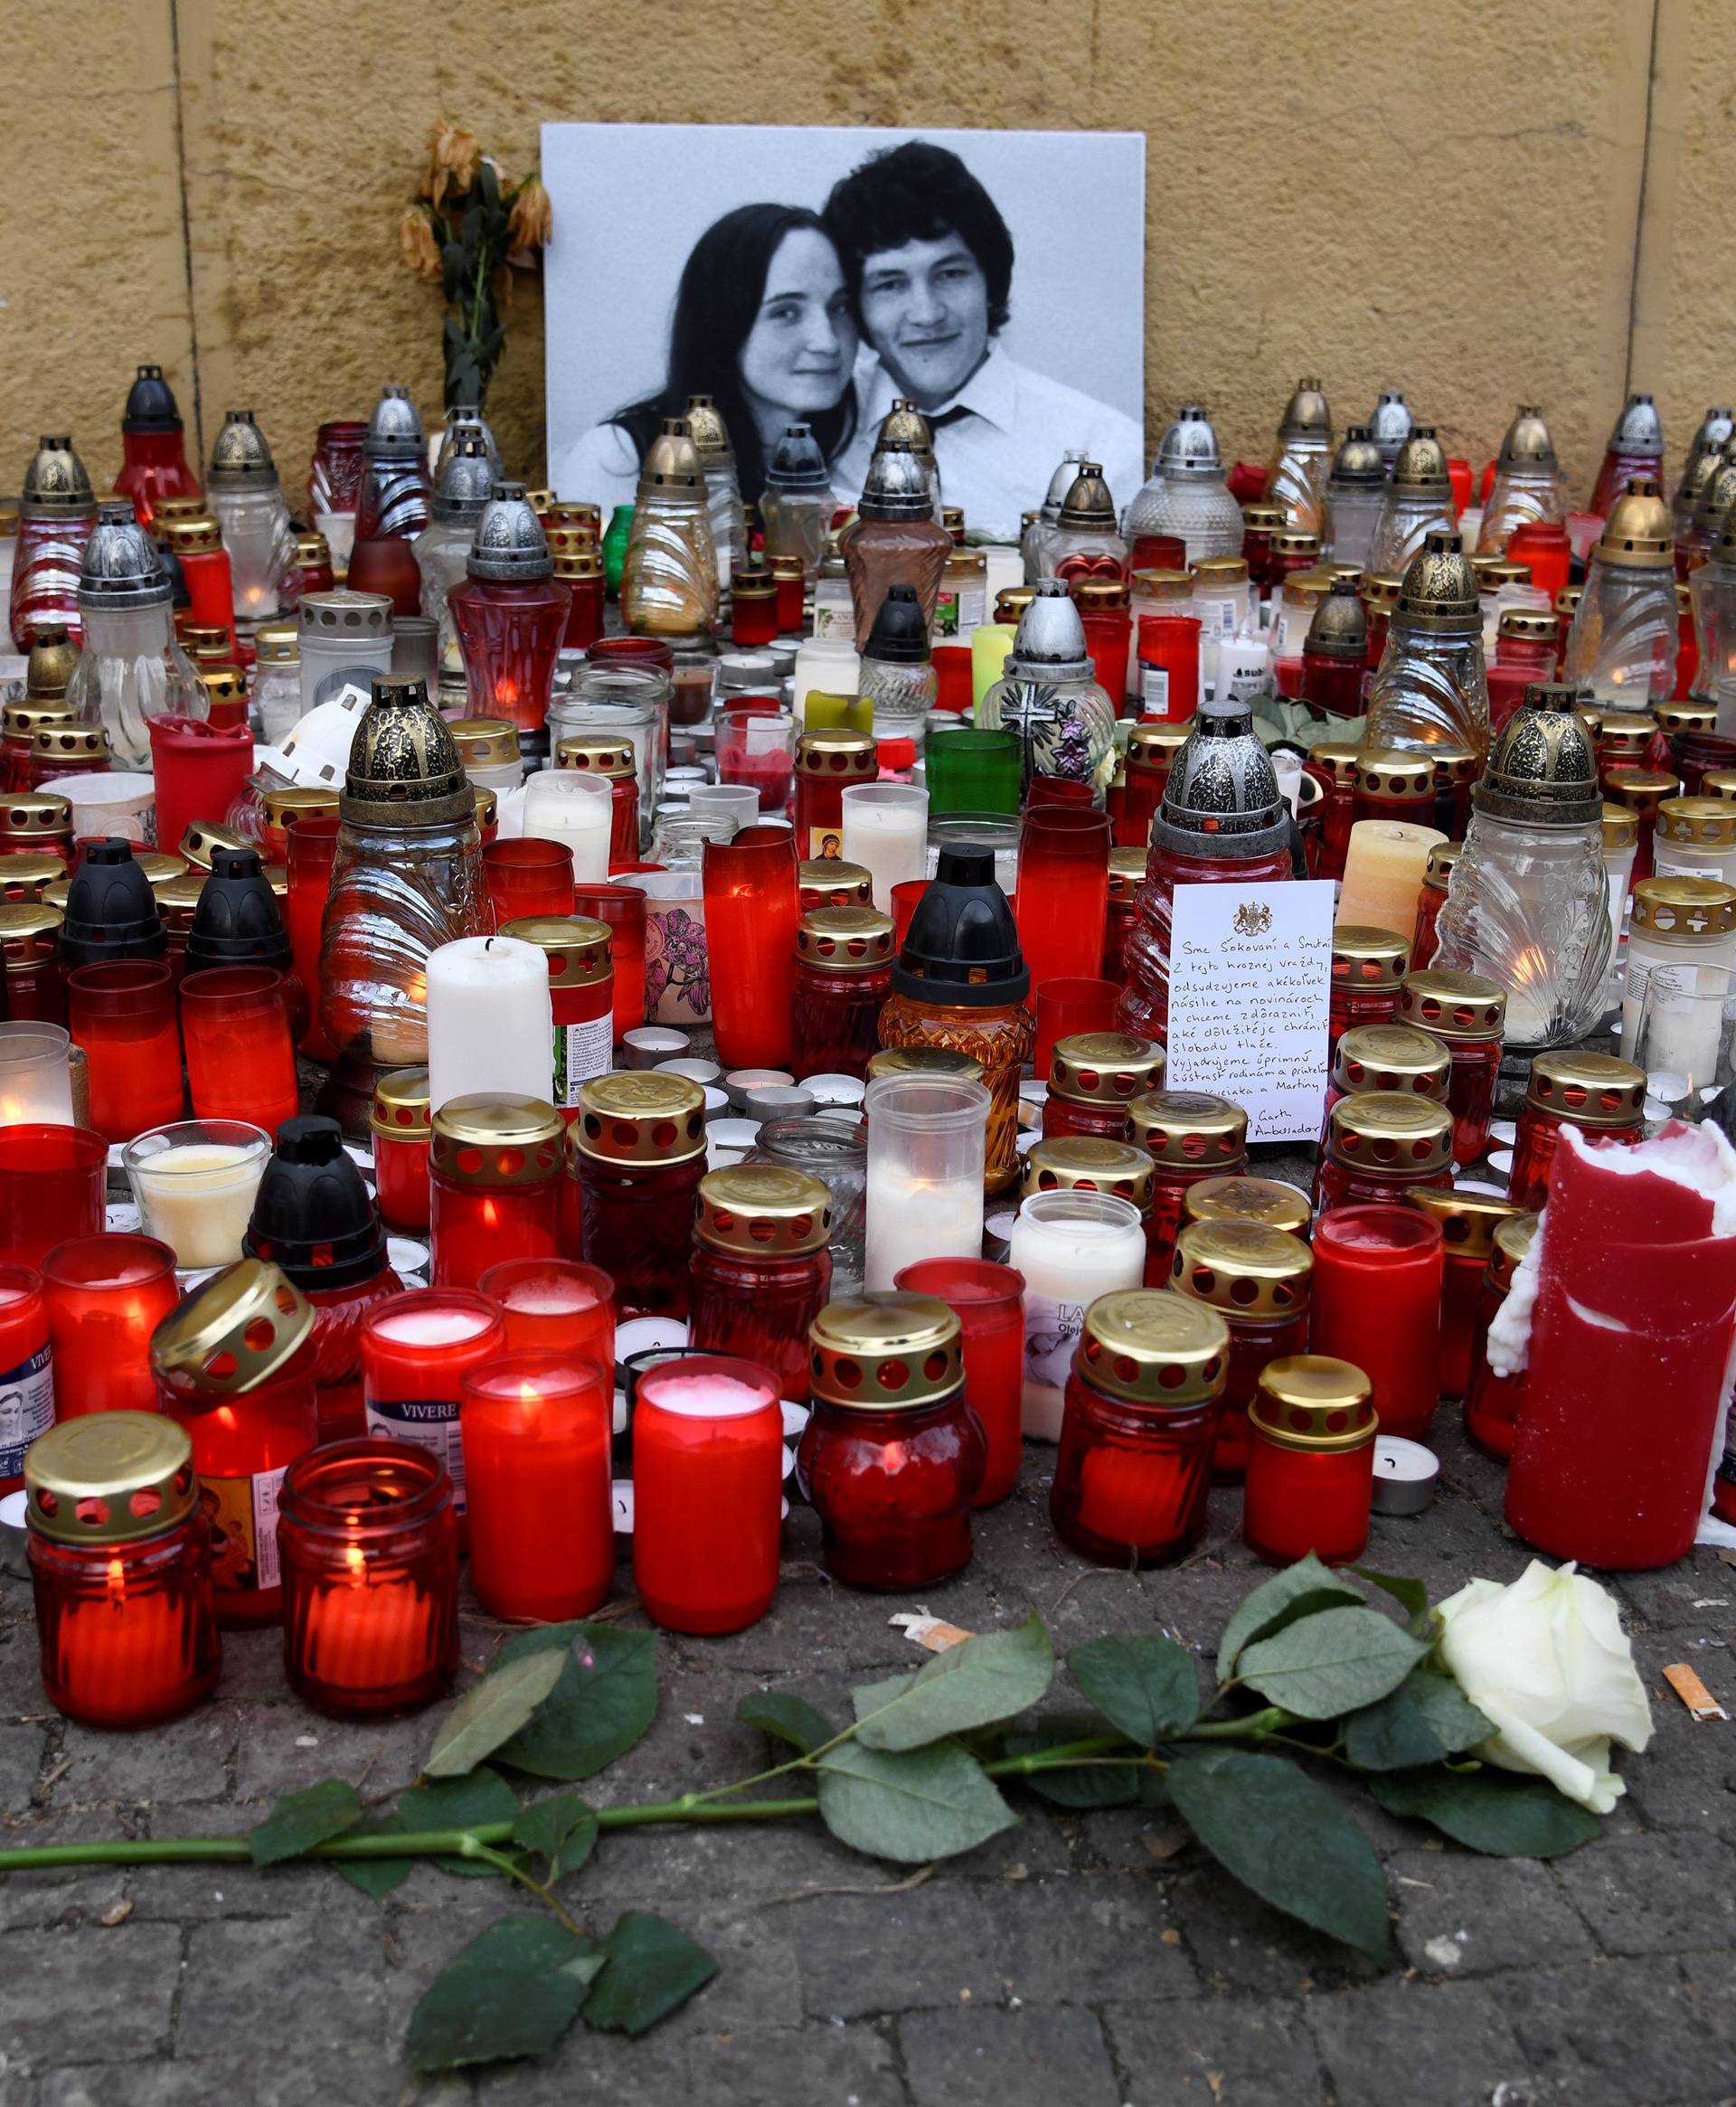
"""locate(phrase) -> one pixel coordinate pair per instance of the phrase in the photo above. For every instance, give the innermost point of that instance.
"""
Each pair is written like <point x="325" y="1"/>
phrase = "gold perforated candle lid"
<point x="1189" y="1129"/>
<point x="1688" y="716"/>
<point x="62" y="740"/>
<point x="825" y="882"/>
<point x="1683" y="911"/>
<point x="1314" y="1403"/>
<point x="885" y="1352"/>
<point x="577" y="947"/>
<point x="22" y="877"/>
<point x="1104" y="1068"/>
<point x="487" y="804"/>
<point x="1244" y="1268"/>
<point x="1163" y="585"/>
<point x="930" y="1061"/>
<point x="1442" y="856"/>
<point x="1264" y="1200"/>
<point x="763" y="1208"/>
<point x="1512" y="1239"/>
<point x="1587" y="1089"/>
<point x="1385" y="772"/>
<point x="1083" y="1163"/>
<point x="1215" y="572"/>
<point x="205" y="836"/>
<point x="1336" y="759"/>
<point x="1364" y="959"/>
<point x="1261" y="518"/>
<point x="223" y="684"/>
<point x="161" y="870"/>
<point x="23" y="720"/>
<point x="1394" y="1057"/>
<point x="598" y="752"/>
<point x="1621" y="828"/>
<point x="1453" y="765"/>
<point x="1468" y="1220"/>
<point x="1535" y="625"/>
<point x="1642" y="790"/>
<point x="277" y="644"/>
<point x="288" y="807"/>
<point x="1707" y="823"/>
<point x="1149" y="1345"/>
<point x="499" y="1140"/>
<point x="206" y="643"/>
<point x="29" y="933"/>
<point x="1458" y="1006"/>
<point x="1099" y="595"/>
<point x="28" y="816"/>
<point x="1151" y="744"/>
<point x="846" y="940"/>
<point x="1378" y="1130"/>
<point x="1382" y="591"/>
<point x="1625" y="733"/>
<point x="1719" y="783"/>
<point x="1127" y="873"/>
<point x="177" y="901"/>
<point x="401" y="1105"/>
<point x="233" y="1331"/>
<point x="485" y="742"/>
<point x="640" y="1116"/>
<point x="109" y="1477"/>
<point x="1637" y="535"/>
<point x="837" y="753"/>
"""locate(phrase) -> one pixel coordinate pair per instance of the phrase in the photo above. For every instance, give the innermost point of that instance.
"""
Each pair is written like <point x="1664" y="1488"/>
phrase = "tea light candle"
<point x="1071" y="1246"/>
<point x="1405" y="1475"/>
<point x="650" y="1045"/>
<point x="886" y="831"/>
<point x="197" y="1198"/>
<point x="490" y="1020"/>
<point x="740" y="1082"/>
<point x="568" y="805"/>
<point x="1383" y="868"/>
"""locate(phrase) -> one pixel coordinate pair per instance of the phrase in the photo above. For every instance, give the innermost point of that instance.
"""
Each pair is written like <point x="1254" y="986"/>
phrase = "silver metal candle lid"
<point x="395" y="429"/>
<point x="1223" y="797"/>
<point x="241" y="460"/>
<point x="1189" y="451"/>
<point x="1049" y="641"/>
<point x="121" y="567"/>
<point x="509" y="541"/>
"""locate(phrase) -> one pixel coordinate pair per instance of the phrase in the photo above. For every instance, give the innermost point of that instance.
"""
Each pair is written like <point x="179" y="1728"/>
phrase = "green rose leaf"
<point x="1084" y="1786"/>
<point x="787" y="1719"/>
<point x="1298" y="1590"/>
<point x="925" y="1803"/>
<point x="298" y="1823"/>
<point x="1337" y="1660"/>
<point x="491" y="1712"/>
<point x="650" y="1968"/>
<point x="563" y="1829"/>
<point x="1485" y="1809"/>
<point x="1147" y="1688"/>
<point x="603" y="1701"/>
<point x="1286" y="1837"/>
<point x="973" y="1684"/>
<point x="1411" y="1595"/>
<point x="460" y="1803"/>
<point x="514" y="1991"/>
<point x="377" y="1876"/>
<point x="1426" y="1717"/>
<point x="1452" y="1718"/>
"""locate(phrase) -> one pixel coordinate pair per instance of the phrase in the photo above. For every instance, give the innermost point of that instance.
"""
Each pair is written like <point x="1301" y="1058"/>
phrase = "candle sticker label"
<point x="1051" y="1334"/>
<point x="580" y="1051"/>
<point x="1249" y="987"/>
<point x="431" y="1422"/>
<point x="243" y="1516"/>
<point x="1154" y="691"/>
<point x="26" y="1409"/>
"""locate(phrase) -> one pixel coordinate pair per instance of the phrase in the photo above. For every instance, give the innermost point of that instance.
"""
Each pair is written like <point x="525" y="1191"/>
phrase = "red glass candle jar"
<point x="708" y="1472"/>
<point x="761" y="1269"/>
<point x="754" y="749"/>
<point x="26" y="1371"/>
<point x="753" y="609"/>
<point x="581" y="573"/>
<point x="34" y="822"/>
<point x="906" y="898"/>
<point x="1467" y="1013"/>
<point x="1642" y="790"/>
<point x="1064" y="889"/>
<point x="1367" y="965"/>
<point x="235" y="1365"/>
<point x="1546" y="552"/>
<point x="197" y="545"/>
<point x="988" y="1301"/>
<point x="18" y="726"/>
<point x="105" y="1295"/>
<point x="536" y="1429"/>
<point x="120" y="1567"/>
<point x="826" y="763"/>
<point x="1093" y="1078"/>
<point x="1152" y="748"/>
<point x="241" y="1057"/>
<point x="368" y="1542"/>
<point x="53" y="1186"/>
<point x="1384" y="1057"/>
<point x="1256" y="1278"/>
<point x="1335" y="667"/>
<point x="1333" y="764"/>
<point x="892" y="1456"/>
<point x="790" y="583"/>
<point x="123" y="1016"/>
<point x="311" y="845"/>
<point x="1169" y="668"/>
<point x="1188" y="1136"/>
<point x="401" y="1127"/>
<point x="1310" y="1462"/>
<point x="1437" y="871"/>
<point x="556" y="1306"/>
<point x="66" y="749"/>
<point x="1143" y="1405"/>
<point x="198" y="768"/>
<point x="843" y="979"/>
<point x="1594" y="1091"/>
<point x="581" y="992"/>
<point x="387" y="565"/>
<point x="622" y="913"/>
<point x="415" y="1352"/>
<point x="1493" y="1402"/>
<point x="1468" y="1222"/>
<point x="1067" y="1007"/>
<point x="1107" y="617"/>
<point x="528" y="876"/>
<point x="1127" y="874"/>
<point x="637" y="1153"/>
<point x="751" y="919"/>
<point x="1377" y="1283"/>
<point x="495" y="1184"/>
<point x="1381" y="1146"/>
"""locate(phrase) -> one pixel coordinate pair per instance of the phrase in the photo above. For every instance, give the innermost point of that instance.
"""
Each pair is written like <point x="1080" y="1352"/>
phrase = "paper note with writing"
<point x="1250" y="984"/>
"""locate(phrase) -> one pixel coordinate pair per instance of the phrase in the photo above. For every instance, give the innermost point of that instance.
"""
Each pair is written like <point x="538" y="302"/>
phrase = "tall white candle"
<point x="1384" y="867"/>
<point x="886" y="831"/>
<point x="490" y="1022"/>
<point x="1071" y="1247"/>
<point x="566" y="805"/>
<point x="927" y="1145"/>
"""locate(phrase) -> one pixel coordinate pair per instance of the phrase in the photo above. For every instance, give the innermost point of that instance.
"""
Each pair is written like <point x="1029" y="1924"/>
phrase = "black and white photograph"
<point x="997" y="279"/>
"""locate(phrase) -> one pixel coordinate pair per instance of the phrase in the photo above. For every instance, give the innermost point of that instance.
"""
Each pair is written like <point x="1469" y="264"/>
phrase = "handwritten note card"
<point x="1250" y="981"/>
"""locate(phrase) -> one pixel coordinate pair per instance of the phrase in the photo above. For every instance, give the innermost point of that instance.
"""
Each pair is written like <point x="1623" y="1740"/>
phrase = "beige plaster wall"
<point x="1477" y="203"/>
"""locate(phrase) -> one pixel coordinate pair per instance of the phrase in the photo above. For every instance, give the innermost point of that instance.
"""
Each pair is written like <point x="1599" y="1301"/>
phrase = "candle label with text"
<point x="580" y="1051"/>
<point x="1154" y="691"/>
<point x="1051" y="1336"/>
<point x="243" y="1516"/>
<point x="431" y="1422"/>
<point x="26" y="1409"/>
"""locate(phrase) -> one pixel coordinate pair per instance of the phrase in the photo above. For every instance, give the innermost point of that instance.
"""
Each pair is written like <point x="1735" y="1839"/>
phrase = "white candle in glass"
<point x="197" y="1198"/>
<point x="490" y="1022"/>
<point x="1071" y="1246"/>
<point x="1384" y="867"/>
<point x="886" y="831"/>
<point x="36" y="1077"/>
<point x="568" y="805"/>
<point x="926" y="1147"/>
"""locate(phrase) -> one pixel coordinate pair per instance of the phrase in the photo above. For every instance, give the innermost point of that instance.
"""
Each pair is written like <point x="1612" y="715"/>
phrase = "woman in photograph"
<point x="763" y="324"/>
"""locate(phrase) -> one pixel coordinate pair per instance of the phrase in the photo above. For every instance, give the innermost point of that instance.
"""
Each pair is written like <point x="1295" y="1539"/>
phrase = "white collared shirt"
<point x="996" y="460"/>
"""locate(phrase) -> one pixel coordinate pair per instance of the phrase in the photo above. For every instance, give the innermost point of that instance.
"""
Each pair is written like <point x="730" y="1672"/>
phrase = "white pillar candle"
<point x="1383" y="868"/>
<point x="565" y="804"/>
<point x="1071" y="1246"/>
<point x="490" y="1021"/>
<point x="886" y="831"/>
<point x="926" y="1147"/>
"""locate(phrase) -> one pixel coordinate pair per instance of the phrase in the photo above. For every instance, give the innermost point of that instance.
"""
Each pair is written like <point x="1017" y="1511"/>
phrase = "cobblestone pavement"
<point x="1092" y="1961"/>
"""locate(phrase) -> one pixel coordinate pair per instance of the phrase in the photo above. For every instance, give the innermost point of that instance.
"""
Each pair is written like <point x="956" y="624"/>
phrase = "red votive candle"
<point x="1064" y="889"/>
<point x="761" y="1269"/>
<point x="907" y="897"/>
<point x="123" y="1016"/>
<point x="1256" y="1277"/>
<point x="1109" y="645"/>
<point x="1310" y="1461"/>
<point x="708" y="1488"/>
<point x="751" y="915"/>
<point x="528" y="876"/>
<point x="1067" y="1006"/>
<point x="556" y="1306"/>
<point x="843" y="979"/>
<point x="622" y="912"/>
<point x="1377" y="1285"/>
<point x="1467" y="1014"/>
<point x="637" y="1155"/>
<point x="311" y="846"/>
<point x="1493" y="1402"/>
<point x="241" y="1057"/>
<point x="52" y="1183"/>
<point x="198" y="768"/>
<point x="1169" y="667"/>
<point x="1596" y="1092"/>
<point x="988" y="1301"/>
<point x="494" y="1165"/>
<point x="536" y="1478"/>
<point x="1094" y="1077"/>
<point x="401" y="1130"/>
<point x="105" y="1295"/>
<point x="1469" y="1221"/>
<point x="415" y="1350"/>
<point x="368" y="1541"/>
<point x="581" y="996"/>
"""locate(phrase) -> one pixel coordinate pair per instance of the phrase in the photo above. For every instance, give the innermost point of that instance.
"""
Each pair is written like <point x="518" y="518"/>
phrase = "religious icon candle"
<point x="1256" y="1278"/>
<point x="235" y="1365"/>
<point x="581" y="994"/>
<point x="1595" y="1092"/>
<point x="495" y="1161"/>
<point x="708" y="1469"/>
<point x="1493" y="1402"/>
<point x="241" y="1057"/>
<point x="535" y="1428"/>
<point x="1310" y="1476"/>
<point x="826" y="763"/>
<point x="120" y="1567"/>
<point x="926" y="1152"/>
<point x="1467" y="1013"/>
<point x="123" y="1016"/>
<point x="401" y="1127"/>
<point x="1093" y="1078"/>
<point x="636" y="1156"/>
<point x="1188" y="1136"/>
<point x="1367" y="965"/>
<point x="1143" y="1404"/>
<point x="892" y="1456"/>
<point x="53" y="1186"/>
<point x="844" y="975"/>
<point x="1469" y="1221"/>
<point x="415" y="1352"/>
<point x="1072" y="1245"/>
<point x="1380" y="1146"/>
<point x="761" y="1268"/>
<point x="368" y="1540"/>
<point x="556" y="1306"/>
<point x="988" y="1301"/>
<point x="1378" y="1272"/>
<point x="751" y="918"/>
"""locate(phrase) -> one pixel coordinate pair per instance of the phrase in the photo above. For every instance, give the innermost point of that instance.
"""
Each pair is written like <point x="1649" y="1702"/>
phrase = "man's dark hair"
<point x="920" y="193"/>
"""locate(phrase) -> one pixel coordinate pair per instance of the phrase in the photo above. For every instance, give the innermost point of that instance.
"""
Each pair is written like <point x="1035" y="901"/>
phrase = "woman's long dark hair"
<point x="716" y="306"/>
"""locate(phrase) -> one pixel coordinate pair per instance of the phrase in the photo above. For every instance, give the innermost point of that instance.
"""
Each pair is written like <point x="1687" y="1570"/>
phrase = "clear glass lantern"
<point x="723" y="492"/>
<point x="443" y="547"/>
<point x="1356" y="498"/>
<point x="248" y="502"/>
<point x="1623" y="642"/>
<point x="1528" y="488"/>
<point x="1431" y="688"/>
<point x="1418" y="502"/>
<point x="131" y="669"/>
<point x="1033" y="544"/>
<point x="1712" y="588"/>
<point x="1716" y="428"/>
<point x="1187" y="493"/>
<point x="1302" y="460"/>
<point x="797" y="504"/>
<point x="56" y="514"/>
<point x="669" y="576"/>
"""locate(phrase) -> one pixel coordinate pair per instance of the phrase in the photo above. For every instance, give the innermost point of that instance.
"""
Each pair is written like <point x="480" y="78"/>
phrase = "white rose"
<point x="1546" y="1661"/>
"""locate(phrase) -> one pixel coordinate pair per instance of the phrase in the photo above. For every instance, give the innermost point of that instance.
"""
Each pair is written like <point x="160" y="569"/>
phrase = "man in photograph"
<point x="928" y="261"/>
